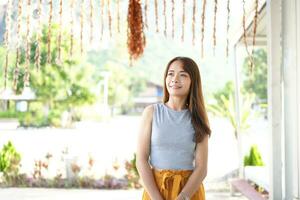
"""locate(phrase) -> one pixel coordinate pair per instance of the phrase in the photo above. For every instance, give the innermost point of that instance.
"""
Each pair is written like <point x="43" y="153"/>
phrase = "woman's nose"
<point x="175" y="78"/>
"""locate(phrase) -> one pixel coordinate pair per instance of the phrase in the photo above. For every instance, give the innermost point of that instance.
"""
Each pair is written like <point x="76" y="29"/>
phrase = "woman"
<point x="173" y="139"/>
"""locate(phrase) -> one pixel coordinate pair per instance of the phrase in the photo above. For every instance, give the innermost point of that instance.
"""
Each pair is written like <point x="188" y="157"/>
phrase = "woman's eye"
<point x="170" y="74"/>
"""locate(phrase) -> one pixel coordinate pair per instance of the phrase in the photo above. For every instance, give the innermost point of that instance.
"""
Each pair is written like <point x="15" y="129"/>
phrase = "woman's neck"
<point x="177" y="103"/>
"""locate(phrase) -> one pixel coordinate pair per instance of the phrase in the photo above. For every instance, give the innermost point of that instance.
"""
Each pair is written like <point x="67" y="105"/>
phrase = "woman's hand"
<point x="182" y="196"/>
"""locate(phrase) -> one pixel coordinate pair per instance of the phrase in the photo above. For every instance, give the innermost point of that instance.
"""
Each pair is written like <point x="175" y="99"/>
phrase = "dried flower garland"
<point x="136" y="39"/>
<point x="254" y="33"/>
<point x="91" y="20"/>
<point x="183" y="20"/>
<point x="202" y="27"/>
<point x="118" y="16"/>
<point x="165" y="18"/>
<point x="109" y="18"/>
<point x="81" y="25"/>
<point x="60" y="30"/>
<point x="215" y="24"/>
<point x="227" y="28"/>
<point x="156" y="15"/>
<point x="173" y="20"/>
<point x="146" y="13"/>
<point x="49" y="31"/>
<point x="72" y="28"/>
<point x="37" y="59"/>
<point x="27" y="57"/>
<point x="193" y="22"/>
<point x="16" y="71"/>
<point x="6" y="40"/>
<point x="245" y="37"/>
<point x="102" y="20"/>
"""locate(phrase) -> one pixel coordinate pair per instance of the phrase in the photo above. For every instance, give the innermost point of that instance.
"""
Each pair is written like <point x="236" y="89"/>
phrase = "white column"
<point x="275" y="96"/>
<point x="237" y="113"/>
<point x="290" y="51"/>
<point x="298" y="89"/>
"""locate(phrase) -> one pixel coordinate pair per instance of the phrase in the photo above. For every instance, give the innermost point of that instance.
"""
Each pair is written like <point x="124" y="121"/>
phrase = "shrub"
<point x="254" y="157"/>
<point x="9" y="161"/>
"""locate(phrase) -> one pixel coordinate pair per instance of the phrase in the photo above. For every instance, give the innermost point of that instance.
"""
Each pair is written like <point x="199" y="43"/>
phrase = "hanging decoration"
<point x="165" y="17"/>
<point x="214" y="29"/>
<point x="81" y="26"/>
<point x="37" y="59"/>
<point x="72" y="28"/>
<point x="135" y="30"/>
<point x="7" y="40"/>
<point x="27" y="57"/>
<point x="102" y="20"/>
<point x="156" y="15"/>
<point x="227" y="28"/>
<point x="245" y="36"/>
<point x="183" y="20"/>
<point x="202" y="27"/>
<point x="254" y="33"/>
<point x="49" y="31"/>
<point x="60" y="31"/>
<point x="109" y="18"/>
<point x="173" y="20"/>
<point x="135" y="34"/>
<point x="118" y="16"/>
<point x="91" y="20"/>
<point x="146" y="13"/>
<point x="18" y="56"/>
<point x="194" y="22"/>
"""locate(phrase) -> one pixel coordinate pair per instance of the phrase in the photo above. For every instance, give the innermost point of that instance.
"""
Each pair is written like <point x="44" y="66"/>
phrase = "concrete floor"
<point x="80" y="194"/>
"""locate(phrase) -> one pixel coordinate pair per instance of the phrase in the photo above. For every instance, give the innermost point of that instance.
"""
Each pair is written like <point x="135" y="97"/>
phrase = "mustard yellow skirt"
<point x="171" y="182"/>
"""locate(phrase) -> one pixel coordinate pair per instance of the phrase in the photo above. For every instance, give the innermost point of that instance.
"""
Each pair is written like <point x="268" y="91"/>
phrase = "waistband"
<point x="177" y="177"/>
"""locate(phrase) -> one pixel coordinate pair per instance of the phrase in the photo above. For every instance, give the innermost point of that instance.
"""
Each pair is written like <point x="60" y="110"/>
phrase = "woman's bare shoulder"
<point x="148" y="111"/>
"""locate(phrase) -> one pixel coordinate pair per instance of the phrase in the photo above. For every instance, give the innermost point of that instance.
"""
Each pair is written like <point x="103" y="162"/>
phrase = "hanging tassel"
<point x="215" y="27"/>
<point x="118" y="15"/>
<point x="27" y="58"/>
<point x="227" y="28"/>
<point x="16" y="71"/>
<point x="173" y="20"/>
<point x="102" y="20"/>
<point x="60" y="32"/>
<point x="72" y="28"/>
<point x="49" y="31"/>
<point x="156" y="15"/>
<point x="7" y="40"/>
<point x="254" y="34"/>
<point x="136" y="39"/>
<point x="183" y="20"/>
<point x="91" y="21"/>
<point x="245" y="36"/>
<point x="109" y="18"/>
<point x="37" y="58"/>
<point x="146" y="13"/>
<point x="81" y="26"/>
<point x="194" y="22"/>
<point x="203" y="27"/>
<point x="165" y="18"/>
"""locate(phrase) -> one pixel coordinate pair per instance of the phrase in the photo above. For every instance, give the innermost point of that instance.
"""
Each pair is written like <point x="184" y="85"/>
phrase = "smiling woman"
<point x="173" y="139"/>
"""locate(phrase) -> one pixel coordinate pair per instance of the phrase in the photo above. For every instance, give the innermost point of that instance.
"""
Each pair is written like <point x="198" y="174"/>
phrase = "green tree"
<point x="59" y="85"/>
<point x="225" y="106"/>
<point x="256" y="81"/>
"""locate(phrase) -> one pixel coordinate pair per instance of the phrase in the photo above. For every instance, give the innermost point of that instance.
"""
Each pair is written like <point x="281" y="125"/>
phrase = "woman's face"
<point x="178" y="81"/>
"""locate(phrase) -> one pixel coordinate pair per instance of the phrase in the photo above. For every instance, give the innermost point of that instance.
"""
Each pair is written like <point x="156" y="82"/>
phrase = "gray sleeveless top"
<point x="172" y="144"/>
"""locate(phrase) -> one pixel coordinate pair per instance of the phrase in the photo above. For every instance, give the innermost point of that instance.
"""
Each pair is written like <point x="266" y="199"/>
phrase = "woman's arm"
<point x="143" y="152"/>
<point x="199" y="172"/>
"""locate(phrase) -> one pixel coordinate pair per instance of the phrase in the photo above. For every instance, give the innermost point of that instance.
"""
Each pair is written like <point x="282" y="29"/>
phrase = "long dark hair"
<point x="195" y="100"/>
